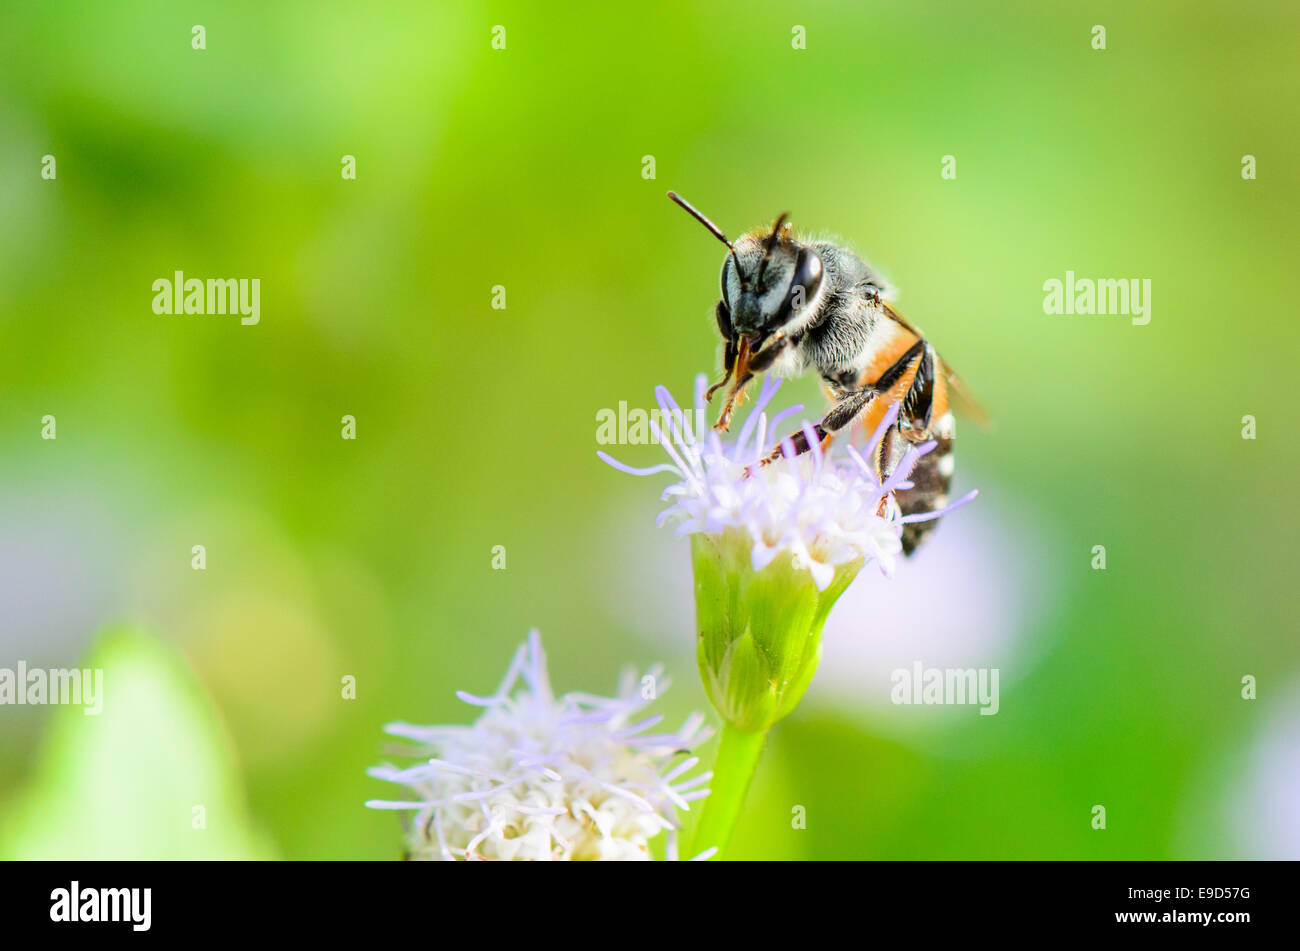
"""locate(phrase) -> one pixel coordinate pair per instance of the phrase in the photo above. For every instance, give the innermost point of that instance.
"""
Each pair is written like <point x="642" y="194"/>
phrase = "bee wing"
<point x="960" y="397"/>
<point x="899" y="319"/>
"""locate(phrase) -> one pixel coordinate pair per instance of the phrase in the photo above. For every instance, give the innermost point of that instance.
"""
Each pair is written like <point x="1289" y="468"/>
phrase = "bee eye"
<point x="808" y="272"/>
<point x="728" y="268"/>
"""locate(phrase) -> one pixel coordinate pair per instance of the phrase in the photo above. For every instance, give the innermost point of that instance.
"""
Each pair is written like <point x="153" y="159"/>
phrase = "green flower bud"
<point x="759" y="632"/>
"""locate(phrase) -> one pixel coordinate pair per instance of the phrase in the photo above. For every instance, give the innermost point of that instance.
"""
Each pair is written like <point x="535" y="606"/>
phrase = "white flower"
<point x="541" y="778"/>
<point x="824" y="509"/>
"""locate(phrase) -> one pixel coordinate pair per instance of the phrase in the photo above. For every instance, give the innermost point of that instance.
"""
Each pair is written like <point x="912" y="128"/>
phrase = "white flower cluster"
<point x="542" y="778"/>
<point x="824" y="509"/>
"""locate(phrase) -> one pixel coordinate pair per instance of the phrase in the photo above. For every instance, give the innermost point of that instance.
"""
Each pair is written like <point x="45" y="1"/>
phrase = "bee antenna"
<point x="704" y="220"/>
<point x="770" y="242"/>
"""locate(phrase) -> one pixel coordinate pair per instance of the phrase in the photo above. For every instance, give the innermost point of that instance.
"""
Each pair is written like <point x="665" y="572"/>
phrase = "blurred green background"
<point x="523" y="167"/>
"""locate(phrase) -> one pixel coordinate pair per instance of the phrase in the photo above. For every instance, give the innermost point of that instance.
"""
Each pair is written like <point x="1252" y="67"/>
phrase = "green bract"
<point x="759" y="633"/>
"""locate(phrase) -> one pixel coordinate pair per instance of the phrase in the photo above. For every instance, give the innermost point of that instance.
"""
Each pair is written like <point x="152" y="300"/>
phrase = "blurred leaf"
<point x="124" y="784"/>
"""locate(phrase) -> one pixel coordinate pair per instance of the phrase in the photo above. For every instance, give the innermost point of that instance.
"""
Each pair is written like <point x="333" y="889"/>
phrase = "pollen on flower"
<point x="819" y="509"/>
<point x="546" y="778"/>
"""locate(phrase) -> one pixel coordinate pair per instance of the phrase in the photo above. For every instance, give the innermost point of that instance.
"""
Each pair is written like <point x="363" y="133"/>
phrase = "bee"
<point x="790" y="305"/>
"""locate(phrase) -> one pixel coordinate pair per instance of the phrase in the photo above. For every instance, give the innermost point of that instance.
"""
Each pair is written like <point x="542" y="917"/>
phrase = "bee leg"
<point x="914" y="418"/>
<point x="841" y="414"/>
<point x="881" y="462"/>
<point x="763" y="360"/>
<point x="733" y="397"/>
<point x="890" y="377"/>
<point x="723" y="315"/>
<point x="728" y="364"/>
<point x="801" y="445"/>
<point x="851" y="405"/>
<point x="932" y="474"/>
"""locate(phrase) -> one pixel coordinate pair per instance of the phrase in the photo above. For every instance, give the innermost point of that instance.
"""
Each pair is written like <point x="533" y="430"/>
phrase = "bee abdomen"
<point x="930" y="478"/>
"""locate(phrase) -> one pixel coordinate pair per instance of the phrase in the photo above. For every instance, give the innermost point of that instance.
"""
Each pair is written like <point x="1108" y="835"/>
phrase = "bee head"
<point x="768" y="279"/>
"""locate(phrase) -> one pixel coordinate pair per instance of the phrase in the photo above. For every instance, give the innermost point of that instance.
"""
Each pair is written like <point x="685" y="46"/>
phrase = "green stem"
<point x="733" y="769"/>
